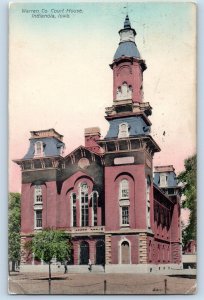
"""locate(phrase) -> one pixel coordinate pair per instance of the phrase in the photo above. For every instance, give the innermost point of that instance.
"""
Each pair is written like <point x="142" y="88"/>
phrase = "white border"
<point x="4" y="150"/>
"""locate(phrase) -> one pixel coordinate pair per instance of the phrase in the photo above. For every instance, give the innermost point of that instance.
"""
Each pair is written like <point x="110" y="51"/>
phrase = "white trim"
<point x="124" y="187"/>
<point x="163" y="179"/>
<point x="121" y="216"/>
<point x="80" y="203"/>
<point x="37" y="152"/>
<point x="35" y="220"/>
<point x="123" y="133"/>
<point x="38" y="192"/>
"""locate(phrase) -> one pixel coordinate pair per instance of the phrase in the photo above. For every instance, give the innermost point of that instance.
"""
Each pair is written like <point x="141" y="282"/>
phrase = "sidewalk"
<point x="37" y="283"/>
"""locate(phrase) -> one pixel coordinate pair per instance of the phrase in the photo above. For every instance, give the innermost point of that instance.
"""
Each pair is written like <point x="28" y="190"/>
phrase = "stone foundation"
<point x="143" y="268"/>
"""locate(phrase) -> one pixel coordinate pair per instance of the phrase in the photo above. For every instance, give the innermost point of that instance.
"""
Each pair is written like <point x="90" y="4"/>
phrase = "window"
<point x="73" y="210"/>
<point x="163" y="180"/>
<point x="150" y="251"/>
<point x="84" y="205"/>
<point x="38" y="218"/>
<point x="94" y="206"/>
<point x="62" y="150"/>
<point x="125" y="215"/>
<point x="38" y="205"/>
<point x="124" y="202"/>
<point x="170" y="191"/>
<point x="38" y="149"/>
<point x="163" y="253"/>
<point x="148" y="185"/>
<point x="123" y="130"/>
<point x="158" y="253"/>
<point x="38" y="194"/>
<point x="168" y="254"/>
<point x="124" y="189"/>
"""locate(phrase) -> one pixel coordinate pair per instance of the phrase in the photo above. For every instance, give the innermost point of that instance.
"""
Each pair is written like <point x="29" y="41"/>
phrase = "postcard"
<point x="102" y="148"/>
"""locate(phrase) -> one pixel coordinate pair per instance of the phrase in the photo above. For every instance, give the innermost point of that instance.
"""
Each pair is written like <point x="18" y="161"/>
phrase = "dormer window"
<point x="163" y="180"/>
<point x="39" y="149"/>
<point x="62" y="150"/>
<point x="123" y="130"/>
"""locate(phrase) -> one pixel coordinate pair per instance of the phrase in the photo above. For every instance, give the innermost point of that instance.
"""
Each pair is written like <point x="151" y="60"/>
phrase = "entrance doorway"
<point x="100" y="253"/>
<point x="84" y="253"/>
<point x="125" y="253"/>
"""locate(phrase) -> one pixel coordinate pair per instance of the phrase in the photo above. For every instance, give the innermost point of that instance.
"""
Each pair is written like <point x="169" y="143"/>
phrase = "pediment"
<point x="83" y="158"/>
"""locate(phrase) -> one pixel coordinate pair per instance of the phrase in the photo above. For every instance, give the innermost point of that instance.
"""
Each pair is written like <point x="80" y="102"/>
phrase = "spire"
<point x="127" y="46"/>
<point x="127" y="24"/>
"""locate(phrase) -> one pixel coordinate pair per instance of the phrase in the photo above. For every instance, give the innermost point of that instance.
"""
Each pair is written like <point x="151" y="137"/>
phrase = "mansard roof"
<point x="127" y="49"/>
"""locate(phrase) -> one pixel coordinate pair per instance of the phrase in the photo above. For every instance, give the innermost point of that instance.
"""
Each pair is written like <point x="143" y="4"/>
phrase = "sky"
<point x="59" y="74"/>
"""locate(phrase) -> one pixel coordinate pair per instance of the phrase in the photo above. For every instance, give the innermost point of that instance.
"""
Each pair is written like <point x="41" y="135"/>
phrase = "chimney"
<point x="92" y="135"/>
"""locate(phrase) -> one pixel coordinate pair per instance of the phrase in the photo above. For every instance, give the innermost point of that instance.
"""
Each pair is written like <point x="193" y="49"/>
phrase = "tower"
<point x="129" y="150"/>
<point x="127" y="67"/>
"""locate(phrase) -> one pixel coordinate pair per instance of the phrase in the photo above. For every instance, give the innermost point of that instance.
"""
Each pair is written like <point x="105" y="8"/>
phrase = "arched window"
<point x="125" y="252"/>
<point x="84" y="200"/>
<point x="124" y="202"/>
<point x="38" y="149"/>
<point x="38" y="194"/>
<point x="124" y="189"/>
<point x="38" y="205"/>
<point x="123" y="130"/>
<point x="94" y="208"/>
<point x="73" y="210"/>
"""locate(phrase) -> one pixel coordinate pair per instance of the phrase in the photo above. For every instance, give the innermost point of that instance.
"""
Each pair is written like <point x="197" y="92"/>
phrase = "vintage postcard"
<point x="102" y="148"/>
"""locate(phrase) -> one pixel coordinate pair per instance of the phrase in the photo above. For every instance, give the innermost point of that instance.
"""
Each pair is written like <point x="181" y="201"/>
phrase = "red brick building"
<point x="104" y="193"/>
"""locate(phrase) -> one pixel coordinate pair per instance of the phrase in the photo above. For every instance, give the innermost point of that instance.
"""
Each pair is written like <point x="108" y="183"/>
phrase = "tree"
<point x="14" y="219"/>
<point x="48" y="244"/>
<point x="188" y="178"/>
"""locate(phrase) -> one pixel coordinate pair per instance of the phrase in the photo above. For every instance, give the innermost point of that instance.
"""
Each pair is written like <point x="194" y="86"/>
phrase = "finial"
<point x="127" y="23"/>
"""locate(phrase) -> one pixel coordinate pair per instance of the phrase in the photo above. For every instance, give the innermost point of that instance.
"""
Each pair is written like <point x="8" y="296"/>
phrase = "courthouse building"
<point x="104" y="193"/>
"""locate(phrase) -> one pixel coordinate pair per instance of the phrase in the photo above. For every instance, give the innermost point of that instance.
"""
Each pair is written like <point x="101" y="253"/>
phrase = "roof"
<point x="161" y="169"/>
<point x="51" y="147"/>
<point x="128" y="49"/>
<point x="127" y="22"/>
<point x="46" y="133"/>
